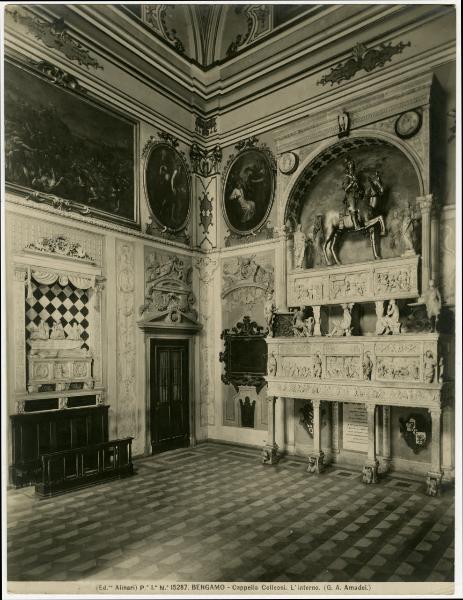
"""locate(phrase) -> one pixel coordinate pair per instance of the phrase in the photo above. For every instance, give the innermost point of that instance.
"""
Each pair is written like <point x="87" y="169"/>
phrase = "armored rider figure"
<point x="353" y="191"/>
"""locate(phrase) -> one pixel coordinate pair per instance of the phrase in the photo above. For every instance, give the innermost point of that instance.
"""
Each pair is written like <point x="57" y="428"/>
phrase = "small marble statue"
<point x="429" y="366"/>
<point x="300" y="243"/>
<point x="310" y="325"/>
<point x="272" y="365"/>
<point x="40" y="331"/>
<point x="433" y="302"/>
<point x="441" y="370"/>
<point x="344" y="326"/>
<point x="367" y="366"/>
<point x="57" y="332"/>
<point x="395" y="229"/>
<point x="408" y="231"/>
<point x="353" y="191"/>
<point x="75" y="332"/>
<point x="391" y="321"/>
<point x="269" y="311"/>
<point x="343" y="123"/>
<point x="299" y="323"/>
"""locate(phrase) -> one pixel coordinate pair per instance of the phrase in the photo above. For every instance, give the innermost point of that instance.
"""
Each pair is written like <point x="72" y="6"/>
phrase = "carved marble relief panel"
<point x="125" y="339"/>
<point x="168" y="284"/>
<point x="366" y="282"/>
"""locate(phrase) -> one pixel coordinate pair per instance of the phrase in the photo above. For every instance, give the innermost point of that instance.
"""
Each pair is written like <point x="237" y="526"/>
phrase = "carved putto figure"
<point x="430" y="365"/>
<point x="433" y="302"/>
<point x="300" y="243"/>
<point x="269" y="311"/>
<point x="367" y="366"/>
<point x="57" y="332"/>
<point x="344" y="325"/>
<point x="40" y="331"/>
<point x="310" y="325"/>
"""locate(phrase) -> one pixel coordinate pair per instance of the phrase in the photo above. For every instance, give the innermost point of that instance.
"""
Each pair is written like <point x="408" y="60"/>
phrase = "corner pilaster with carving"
<point x="206" y="270"/>
<point x="19" y="354"/>
<point x="206" y="189"/>
<point x="125" y="339"/>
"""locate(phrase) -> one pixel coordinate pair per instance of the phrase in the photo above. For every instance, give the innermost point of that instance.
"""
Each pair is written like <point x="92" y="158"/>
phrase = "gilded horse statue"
<point x="353" y="220"/>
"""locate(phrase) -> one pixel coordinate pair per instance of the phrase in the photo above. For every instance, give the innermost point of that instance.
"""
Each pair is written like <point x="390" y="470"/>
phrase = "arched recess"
<point x="321" y="157"/>
<point x="317" y="190"/>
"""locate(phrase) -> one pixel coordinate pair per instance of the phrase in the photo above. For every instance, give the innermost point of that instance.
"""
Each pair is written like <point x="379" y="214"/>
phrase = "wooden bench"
<point x="87" y="465"/>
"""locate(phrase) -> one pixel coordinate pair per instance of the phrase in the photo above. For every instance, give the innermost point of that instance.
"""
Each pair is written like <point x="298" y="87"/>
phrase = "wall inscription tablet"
<point x="355" y="430"/>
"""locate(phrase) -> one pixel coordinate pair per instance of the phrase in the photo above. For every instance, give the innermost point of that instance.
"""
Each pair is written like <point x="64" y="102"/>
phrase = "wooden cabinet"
<point x="35" y="434"/>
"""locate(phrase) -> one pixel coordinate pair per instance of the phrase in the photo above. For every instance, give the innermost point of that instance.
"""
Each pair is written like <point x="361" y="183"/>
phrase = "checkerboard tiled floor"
<point x="214" y="513"/>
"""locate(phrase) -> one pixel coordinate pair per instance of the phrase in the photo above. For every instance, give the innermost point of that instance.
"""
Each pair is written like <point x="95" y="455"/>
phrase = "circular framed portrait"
<point x="249" y="190"/>
<point x="408" y="124"/>
<point x="167" y="185"/>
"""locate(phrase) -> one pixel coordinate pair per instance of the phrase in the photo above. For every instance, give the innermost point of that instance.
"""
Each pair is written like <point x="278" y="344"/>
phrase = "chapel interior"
<point x="230" y="302"/>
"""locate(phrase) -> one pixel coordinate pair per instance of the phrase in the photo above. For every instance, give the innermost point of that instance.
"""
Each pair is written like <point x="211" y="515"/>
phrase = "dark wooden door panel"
<point x="169" y="394"/>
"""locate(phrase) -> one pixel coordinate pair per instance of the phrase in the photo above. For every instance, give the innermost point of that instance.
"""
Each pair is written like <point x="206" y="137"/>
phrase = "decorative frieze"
<point x="369" y="360"/>
<point x="363" y="282"/>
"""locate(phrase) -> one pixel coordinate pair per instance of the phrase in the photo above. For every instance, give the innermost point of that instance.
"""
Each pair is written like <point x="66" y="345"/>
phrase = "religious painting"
<point x="249" y="191"/>
<point x="168" y="187"/>
<point x="61" y="144"/>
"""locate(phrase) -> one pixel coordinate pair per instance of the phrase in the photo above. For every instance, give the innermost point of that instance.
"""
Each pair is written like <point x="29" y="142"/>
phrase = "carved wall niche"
<point x="321" y="179"/>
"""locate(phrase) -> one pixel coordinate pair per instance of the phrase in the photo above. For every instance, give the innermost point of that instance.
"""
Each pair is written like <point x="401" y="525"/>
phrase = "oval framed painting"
<point x="167" y="184"/>
<point x="248" y="191"/>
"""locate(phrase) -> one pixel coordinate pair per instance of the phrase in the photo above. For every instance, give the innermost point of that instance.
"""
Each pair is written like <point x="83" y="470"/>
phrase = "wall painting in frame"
<point x="167" y="184"/>
<point x="59" y="143"/>
<point x="249" y="190"/>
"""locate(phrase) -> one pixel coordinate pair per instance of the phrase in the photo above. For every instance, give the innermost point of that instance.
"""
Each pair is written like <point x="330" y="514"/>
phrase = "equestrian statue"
<point x="352" y="220"/>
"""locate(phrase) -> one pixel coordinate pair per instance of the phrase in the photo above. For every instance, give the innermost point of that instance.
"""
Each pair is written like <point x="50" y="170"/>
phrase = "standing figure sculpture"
<point x="269" y="312"/>
<point x="408" y="231"/>
<point x="300" y="243"/>
<point x="352" y="220"/>
<point x="430" y="365"/>
<point x="318" y="241"/>
<point x="433" y="301"/>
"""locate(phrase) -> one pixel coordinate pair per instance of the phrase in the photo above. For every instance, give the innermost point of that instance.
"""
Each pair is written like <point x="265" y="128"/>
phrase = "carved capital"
<point x="205" y="162"/>
<point x="20" y="274"/>
<point x="206" y="267"/>
<point x="425" y="203"/>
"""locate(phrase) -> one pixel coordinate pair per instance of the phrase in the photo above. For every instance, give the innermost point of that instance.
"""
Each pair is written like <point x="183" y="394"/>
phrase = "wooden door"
<point x="169" y="394"/>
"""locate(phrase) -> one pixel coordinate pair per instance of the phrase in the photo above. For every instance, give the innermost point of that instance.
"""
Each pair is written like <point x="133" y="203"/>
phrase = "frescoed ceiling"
<point x="208" y="34"/>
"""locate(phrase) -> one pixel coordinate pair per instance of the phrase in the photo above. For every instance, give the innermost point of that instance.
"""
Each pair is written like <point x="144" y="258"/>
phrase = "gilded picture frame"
<point x="168" y="187"/>
<point x="249" y="190"/>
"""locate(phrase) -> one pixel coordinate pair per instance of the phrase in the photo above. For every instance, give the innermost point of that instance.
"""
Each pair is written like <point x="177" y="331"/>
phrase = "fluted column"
<point x="370" y="470"/>
<point x="317" y="457"/>
<point x="425" y="203"/>
<point x="335" y="445"/>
